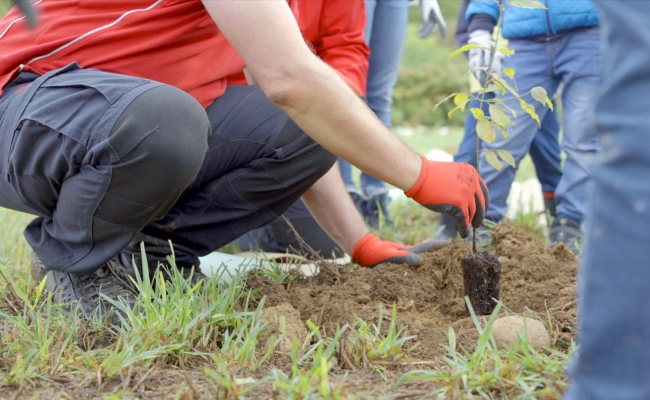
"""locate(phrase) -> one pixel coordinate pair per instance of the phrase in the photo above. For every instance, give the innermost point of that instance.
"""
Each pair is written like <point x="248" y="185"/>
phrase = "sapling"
<point x="481" y="270"/>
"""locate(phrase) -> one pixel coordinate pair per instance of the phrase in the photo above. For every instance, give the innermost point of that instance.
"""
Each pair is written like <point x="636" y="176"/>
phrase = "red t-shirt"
<point x="335" y="30"/>
<point x="170" y="41"/>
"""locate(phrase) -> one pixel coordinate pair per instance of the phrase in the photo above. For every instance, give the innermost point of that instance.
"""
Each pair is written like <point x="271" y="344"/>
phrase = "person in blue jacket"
<point x="559" y="44"/>
<point x="544" y="149"/>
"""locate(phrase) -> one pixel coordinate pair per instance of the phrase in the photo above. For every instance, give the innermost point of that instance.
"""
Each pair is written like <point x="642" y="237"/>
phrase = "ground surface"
<point x="349" y="344"/>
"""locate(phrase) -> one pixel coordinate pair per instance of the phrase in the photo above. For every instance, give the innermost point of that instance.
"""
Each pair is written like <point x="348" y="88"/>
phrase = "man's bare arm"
<point x="267" y="37"/>
<point x="333" y="209"/>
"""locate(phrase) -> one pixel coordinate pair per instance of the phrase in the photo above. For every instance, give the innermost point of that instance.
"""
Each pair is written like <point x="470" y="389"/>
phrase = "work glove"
<point x="370" y="251"/>
<point x="431" y="19"/>
<point x="26" y="7"/>
<point x="452" y="188"/>
<point x="479" y="57"/>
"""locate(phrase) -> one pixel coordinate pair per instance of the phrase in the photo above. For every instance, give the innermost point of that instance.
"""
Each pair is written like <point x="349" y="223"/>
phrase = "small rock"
<point x="294" y="327"/>
<point x="505" y="332"/>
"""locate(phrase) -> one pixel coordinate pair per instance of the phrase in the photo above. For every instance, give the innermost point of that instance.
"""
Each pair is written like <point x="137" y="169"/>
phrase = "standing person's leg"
<point x="385" y="34"/>
<point x="547" y="156"/>
<point x="578" y="60"/>
<point x="258" y="164"/>
<point x="614" y="357"/>
<point x="532" y="63"/>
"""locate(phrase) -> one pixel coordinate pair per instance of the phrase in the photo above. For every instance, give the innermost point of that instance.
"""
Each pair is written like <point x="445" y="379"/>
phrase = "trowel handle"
<point x="26" y="7"/>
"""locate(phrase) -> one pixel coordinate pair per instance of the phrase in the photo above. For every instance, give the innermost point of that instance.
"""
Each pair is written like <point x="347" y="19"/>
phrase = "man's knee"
<point x="166" y="132"/>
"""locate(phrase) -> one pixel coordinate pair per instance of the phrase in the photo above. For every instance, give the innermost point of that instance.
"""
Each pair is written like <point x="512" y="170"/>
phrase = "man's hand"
<point x="370" y="251"/>
<point x="26" y="7"/>
<point x="453" y="188"/>
<point x="479" y="57"/>
<point x="431" y="19"/>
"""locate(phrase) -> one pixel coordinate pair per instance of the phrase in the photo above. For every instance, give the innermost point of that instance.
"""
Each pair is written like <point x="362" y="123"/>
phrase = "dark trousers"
<point x="106" y="161"/>
<point x="280" y="236"/>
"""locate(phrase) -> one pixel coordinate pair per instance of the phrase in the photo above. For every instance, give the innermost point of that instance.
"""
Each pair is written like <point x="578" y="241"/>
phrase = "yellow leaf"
<point x="477" y="113"/>
<point x="465" y="48"/>
<point x="506" y="51"/>
<point x="507" y="157"/>
<point x="460" y="98"/>
<point x="531" y="111"/>
<point x="509" y="72"/>
<point x="485" y="131"/>
<point x="491" y="158"/>
<point x="499" y="85"/>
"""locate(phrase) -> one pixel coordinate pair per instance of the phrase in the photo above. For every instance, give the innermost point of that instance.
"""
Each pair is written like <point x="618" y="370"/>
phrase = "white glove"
<point x="431" y="19"/>
<point x="480" y="57"/>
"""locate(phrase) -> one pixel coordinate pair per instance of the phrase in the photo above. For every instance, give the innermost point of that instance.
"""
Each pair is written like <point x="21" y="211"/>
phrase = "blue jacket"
<point x="559" y="15"/>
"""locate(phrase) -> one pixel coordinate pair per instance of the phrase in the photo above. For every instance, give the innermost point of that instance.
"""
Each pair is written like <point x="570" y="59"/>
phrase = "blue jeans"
<point x="614" y="357"/>
<point x="544" y="149"/>
<point x="386" y="22"/>
<point x="573" y="60"/>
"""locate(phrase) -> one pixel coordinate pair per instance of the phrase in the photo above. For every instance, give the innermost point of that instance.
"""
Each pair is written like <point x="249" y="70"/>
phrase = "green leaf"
<point x="485" y="131"/>
<point x="465" y="48"/>
<point x="509" y="72"/>
<point x="507" y="157"/>
<point x="506" y="51"/>
<point x="539" y="94"/>
<point x="477" y="113"/>
<point x="499" y="116"/>
<point x="491" y="158"/>
<point x="461" y="106"/>
<point x="512" y="111"/>
<point x="536" y="4"/>
<point x="531" y="111"/>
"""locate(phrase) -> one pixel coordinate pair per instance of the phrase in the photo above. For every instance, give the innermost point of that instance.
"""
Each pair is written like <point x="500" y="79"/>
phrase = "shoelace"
<point x="111" y="280"/>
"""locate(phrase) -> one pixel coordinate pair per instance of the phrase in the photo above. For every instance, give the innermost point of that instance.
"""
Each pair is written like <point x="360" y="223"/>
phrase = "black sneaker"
<point x="193" y="273"/>
<point x="83" y="291"/>
<point x="567" y="231"/>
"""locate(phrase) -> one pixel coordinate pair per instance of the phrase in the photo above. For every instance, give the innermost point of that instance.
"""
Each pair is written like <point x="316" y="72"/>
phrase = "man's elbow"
<point x="284" y="86"/>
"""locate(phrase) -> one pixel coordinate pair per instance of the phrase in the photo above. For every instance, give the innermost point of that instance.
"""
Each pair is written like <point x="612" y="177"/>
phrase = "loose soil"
<point x="430" y="298"/>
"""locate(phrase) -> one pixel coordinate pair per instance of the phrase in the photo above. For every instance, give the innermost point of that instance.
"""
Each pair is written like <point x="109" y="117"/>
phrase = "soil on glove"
<point x="430" y="298"/>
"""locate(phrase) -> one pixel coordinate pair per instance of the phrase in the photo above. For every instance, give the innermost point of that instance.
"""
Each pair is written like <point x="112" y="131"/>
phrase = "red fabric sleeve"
<point x="340" y="42"/>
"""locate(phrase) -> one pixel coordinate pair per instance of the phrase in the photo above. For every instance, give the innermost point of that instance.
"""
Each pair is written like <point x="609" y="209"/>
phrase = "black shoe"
<point x="567" y="231"/>
<point x="446" y="228"/>
<point x="377" y="207"/>
<point x="483" y="237"/>
<point x="193" y="273"/>
<point x="83" y="291"/>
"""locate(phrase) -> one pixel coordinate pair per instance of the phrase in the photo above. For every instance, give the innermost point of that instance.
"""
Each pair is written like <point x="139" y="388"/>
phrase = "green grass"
<point x="520" y="372"/>
<point x="211" y="336"/>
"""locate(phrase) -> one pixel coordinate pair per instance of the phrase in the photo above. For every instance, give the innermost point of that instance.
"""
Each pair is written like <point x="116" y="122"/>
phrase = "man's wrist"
<point x="481" y="22"/>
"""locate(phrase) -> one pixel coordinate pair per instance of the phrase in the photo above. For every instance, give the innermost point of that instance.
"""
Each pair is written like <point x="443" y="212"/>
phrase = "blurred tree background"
<point x="427" y="74"/>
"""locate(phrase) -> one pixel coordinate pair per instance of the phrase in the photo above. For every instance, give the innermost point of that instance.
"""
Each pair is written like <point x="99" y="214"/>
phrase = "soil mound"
<point x="429" y="298"/>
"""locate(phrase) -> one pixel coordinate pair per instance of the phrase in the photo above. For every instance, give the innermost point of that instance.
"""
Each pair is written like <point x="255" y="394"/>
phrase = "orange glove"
<point x="370" y="251"/>
<point x="453" y="188"/>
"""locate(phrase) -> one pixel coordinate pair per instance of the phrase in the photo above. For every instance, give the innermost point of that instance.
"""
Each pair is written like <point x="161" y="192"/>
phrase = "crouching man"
<point x="117" y="126"/>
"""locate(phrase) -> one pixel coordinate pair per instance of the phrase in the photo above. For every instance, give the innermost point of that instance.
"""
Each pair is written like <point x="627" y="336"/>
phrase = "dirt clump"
<point x="291" y="328"/>
<point x="481" y="276"/>
<point x="430" y="298"/>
